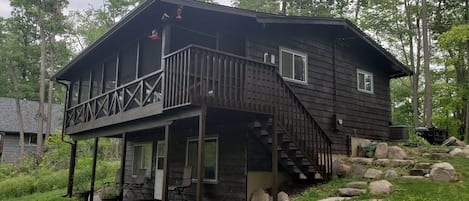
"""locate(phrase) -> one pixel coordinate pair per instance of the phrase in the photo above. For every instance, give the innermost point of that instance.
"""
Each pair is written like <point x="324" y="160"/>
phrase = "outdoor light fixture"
<point x="154" y="35"/>
<point x="165" y="17"/>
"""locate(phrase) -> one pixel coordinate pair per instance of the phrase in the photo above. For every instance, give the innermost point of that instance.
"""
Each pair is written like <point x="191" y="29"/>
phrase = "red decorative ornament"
<point x="154" y="35"/>
<point x="179" y="13"/>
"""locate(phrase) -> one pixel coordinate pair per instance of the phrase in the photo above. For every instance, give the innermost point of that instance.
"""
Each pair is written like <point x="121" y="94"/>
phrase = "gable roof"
<point x="9" y="121"/>
<point x="260" y="17"/>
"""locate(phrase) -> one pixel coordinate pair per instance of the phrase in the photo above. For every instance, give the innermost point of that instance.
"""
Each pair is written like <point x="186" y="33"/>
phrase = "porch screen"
<point x="142" y="158"/>
<point x="211" y="158"/>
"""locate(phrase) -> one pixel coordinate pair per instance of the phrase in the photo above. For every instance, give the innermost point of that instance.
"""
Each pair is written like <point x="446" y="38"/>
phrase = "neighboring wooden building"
<point x="229" y="83"/>
<point x="9" y="129"/>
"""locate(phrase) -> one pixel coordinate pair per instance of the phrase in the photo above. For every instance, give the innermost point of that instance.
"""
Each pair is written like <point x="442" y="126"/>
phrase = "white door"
<point x="159" y="170"/>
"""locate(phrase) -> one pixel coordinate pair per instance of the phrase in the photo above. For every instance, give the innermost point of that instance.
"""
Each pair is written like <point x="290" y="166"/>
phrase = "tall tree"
<point x="426" y="67"/>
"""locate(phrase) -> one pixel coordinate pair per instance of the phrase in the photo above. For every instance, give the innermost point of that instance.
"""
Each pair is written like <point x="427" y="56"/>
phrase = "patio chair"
<point x="185" y="183"/>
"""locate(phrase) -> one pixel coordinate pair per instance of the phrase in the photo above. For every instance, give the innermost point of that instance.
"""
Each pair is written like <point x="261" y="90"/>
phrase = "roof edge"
<point x="103" y="37"/>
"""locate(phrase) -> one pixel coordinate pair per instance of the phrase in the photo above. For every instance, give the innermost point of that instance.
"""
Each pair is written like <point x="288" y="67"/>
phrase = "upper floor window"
<point x="293" y="65"/>
<point x="364" y="81"/>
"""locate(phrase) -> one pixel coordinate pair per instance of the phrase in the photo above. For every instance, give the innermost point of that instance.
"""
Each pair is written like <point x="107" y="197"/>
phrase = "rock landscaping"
<point x="379" y="164"/>
<point x="390" y="162"/>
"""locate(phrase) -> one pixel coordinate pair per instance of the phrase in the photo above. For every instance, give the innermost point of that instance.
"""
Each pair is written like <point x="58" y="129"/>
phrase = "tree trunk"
<point x="40" y="121"/>
<point x="415" y="78"/>
<point x="19" y="115"/>
<point x="357" y="11"/>
<point x="51" y="87"/>
<point x="427" y="73"/>
<point x="466" y="137"/>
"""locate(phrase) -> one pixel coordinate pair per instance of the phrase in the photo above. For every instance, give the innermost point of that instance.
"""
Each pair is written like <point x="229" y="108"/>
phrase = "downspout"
<point x="73" y="145"/>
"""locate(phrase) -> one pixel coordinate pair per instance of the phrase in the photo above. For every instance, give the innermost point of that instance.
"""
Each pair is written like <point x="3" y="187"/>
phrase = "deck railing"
<point x="138" y="93"/>
<point x="195" y="74"/>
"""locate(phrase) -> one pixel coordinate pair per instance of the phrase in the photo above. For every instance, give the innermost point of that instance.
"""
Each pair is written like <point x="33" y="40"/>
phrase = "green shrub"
<point x="17" y="186"/>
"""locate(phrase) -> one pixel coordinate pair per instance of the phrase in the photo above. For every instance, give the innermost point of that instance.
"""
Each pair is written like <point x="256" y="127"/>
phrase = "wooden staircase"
<point x="197" y="75"/>
<point x="291" y="159"/>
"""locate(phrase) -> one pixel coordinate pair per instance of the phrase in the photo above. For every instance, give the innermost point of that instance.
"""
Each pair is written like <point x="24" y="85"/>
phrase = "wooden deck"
<point x="200" y="76"/>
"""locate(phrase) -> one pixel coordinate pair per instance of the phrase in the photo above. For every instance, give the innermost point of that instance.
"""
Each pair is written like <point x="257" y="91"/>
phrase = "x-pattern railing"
<point x="139" y="93"/>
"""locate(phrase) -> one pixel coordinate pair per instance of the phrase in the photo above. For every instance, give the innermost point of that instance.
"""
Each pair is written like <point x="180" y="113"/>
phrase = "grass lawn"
<point x="55" y="195"/>
<point x="406" y="190"/>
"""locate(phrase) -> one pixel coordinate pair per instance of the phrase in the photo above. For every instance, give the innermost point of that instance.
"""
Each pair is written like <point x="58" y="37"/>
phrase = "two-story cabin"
<point x="215" y="88"/>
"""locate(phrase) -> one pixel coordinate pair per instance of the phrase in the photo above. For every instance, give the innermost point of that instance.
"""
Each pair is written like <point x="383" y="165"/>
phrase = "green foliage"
<point x="58" y="155"/>
<point x="401" y="102"/>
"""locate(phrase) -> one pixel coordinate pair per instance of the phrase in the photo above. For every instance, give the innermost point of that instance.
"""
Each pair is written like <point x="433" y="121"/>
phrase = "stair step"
<point x="255" y="124"/>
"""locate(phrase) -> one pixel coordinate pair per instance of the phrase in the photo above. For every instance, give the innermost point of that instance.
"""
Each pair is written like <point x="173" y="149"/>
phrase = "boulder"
<point x="282" y="196"/>
<point x="362" y="161"/>
<point x="443" y="172"/>
<point x="363" y="143"/>
<point x="381" y="187"/>
<point x="340" y="169"/>
<point x="381" y="150"/>
<point x="466" y="151"/>
<point x="413" y="177"/>
<point x="381" y="162"/>
<point x="357" y="171"/>
<point x="440" y="156"/>
<point x="453" y="141"/>
<point x="401" y="163"/>
<point x="373" y="174"/>
<point x="349" y="192"/>
<point x="395" y="152"/>
<point x="390" y="174"/>
<point x="423" y="166"/>
<point x="357" y="184"/>
<point x="456" y="152"/>
<point x="260" y="195"/>
<point x="439" y="150"/>
<point x="335" y="199"/>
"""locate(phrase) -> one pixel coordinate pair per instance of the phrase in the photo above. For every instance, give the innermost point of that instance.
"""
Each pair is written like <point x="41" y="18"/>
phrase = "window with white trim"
<point x="293" y="65"/>
<point x="142" y="158"/>
<point x="211" y="158"/>
<point x="364" y="81"/>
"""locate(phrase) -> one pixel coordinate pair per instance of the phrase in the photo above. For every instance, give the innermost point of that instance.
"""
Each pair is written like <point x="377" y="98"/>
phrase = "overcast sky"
<point x="75" y="5"/>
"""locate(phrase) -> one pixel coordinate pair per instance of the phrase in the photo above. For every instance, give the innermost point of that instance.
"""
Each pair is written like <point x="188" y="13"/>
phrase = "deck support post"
<point x="274" y="158"/>
<point x="122" y="169"/>
<point x="165" y="163"/>
<point x="201" y="153"/>
<point x="93" y="170"/>
<point x="71" y="170"/>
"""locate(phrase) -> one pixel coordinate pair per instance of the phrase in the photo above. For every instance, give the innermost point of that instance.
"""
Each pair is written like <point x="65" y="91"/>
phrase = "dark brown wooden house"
<point x="231" y="84"/>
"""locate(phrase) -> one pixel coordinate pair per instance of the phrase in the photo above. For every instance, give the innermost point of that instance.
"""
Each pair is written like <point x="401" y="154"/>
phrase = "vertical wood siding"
<point x="364" y="115"/>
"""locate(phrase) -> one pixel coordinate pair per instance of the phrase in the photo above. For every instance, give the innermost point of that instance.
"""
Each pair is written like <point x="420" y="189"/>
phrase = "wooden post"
<point x="274" y="158"/>
<point x="124" y="155"/>
<point x="201" y="154"/>
<point x="165" y="163"/>
<point x="165" y="48"/>
<point x="71" y="170"/>
<point x="93" y="170"/>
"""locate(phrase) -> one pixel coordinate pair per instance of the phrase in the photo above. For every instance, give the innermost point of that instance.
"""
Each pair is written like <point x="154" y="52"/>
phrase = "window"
<point x="364" y="81"/>
<point x="84" y="87"/>
<point x="110" y="74"/>
<point x="293" y="65"/>
<point x="30" y="139"/>
<point x="96" y="80"/>
<point x="211" y="158"/>
<point x="142" y="158"/>
<point x="74" y="93"/>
